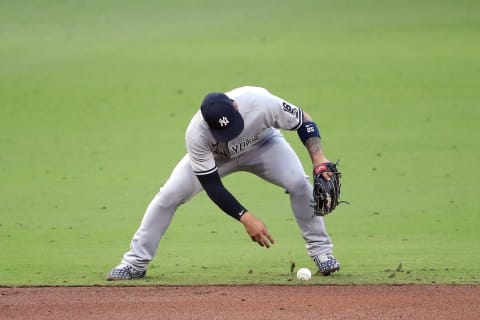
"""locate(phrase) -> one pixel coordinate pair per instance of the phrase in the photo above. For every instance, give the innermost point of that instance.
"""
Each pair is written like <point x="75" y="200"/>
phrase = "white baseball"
<point x="304" y="274"/>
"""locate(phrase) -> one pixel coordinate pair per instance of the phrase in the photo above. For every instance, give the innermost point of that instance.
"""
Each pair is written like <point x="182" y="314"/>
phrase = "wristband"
<point x="308" y="130"/>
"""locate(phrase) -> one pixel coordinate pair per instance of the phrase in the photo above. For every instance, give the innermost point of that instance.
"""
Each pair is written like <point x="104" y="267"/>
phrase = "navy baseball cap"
<point x="224" y="121"/>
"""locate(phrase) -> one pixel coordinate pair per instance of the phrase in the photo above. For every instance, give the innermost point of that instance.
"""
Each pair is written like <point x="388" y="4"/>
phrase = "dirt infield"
<point x="242" y="302"/>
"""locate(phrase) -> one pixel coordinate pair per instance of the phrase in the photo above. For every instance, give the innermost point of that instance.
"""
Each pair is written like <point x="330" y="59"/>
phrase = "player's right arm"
<point x="256" y="229"/>
<point x="216" y="191"/>
<point x="204" y="167"/>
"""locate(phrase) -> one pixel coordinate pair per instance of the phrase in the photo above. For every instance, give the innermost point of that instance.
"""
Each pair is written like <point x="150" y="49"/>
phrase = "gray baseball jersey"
<point x="262" y="113"/>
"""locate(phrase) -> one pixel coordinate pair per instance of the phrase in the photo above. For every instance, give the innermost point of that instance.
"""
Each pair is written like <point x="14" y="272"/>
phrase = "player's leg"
<point x="276" y="162"/>
<point x="179" y="188"/>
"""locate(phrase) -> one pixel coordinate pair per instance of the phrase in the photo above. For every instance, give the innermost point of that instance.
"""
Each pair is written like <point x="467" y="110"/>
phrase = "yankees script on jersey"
<point x="260" y="149"/>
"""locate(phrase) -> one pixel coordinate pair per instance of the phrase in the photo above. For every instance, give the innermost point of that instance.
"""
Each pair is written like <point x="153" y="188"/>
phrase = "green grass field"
<point x="95" y="97"/>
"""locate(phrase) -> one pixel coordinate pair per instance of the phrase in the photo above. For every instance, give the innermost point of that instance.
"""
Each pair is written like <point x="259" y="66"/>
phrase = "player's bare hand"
<point x="327" y="175"/>
<point x="322" y="167"/>
<point x="257" y="230"/>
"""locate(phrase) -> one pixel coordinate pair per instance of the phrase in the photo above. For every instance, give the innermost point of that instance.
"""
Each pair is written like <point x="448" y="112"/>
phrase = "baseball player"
<point x="238" y="131"/>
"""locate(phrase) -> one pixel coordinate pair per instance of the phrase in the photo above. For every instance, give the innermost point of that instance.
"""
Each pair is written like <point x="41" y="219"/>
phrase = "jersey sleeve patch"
<point x="293" y="112"/>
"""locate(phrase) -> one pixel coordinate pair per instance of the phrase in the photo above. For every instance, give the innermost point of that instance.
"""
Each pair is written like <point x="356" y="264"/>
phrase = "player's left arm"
<point x="309" y="134"/>
<point x="326" y="177"/>
<point x="285" y="115"/>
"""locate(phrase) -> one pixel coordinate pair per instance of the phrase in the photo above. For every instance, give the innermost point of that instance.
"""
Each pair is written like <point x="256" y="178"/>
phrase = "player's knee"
<point x="169" y="198"/>
<point x="300" y="186"/>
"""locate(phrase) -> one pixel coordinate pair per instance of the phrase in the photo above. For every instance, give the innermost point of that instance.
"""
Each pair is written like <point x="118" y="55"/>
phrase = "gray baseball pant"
<point x="273" y="160"/>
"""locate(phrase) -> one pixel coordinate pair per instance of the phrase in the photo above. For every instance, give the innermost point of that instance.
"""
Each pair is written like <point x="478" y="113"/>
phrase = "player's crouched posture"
<point x="237" y="131"/>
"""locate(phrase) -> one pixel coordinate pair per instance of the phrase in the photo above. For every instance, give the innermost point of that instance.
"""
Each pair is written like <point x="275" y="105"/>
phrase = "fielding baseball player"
<point x="238" y="131"/>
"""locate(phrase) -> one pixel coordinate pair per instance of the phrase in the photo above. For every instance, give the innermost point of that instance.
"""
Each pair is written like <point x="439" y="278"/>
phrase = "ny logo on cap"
<point x="223" y="121"/>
